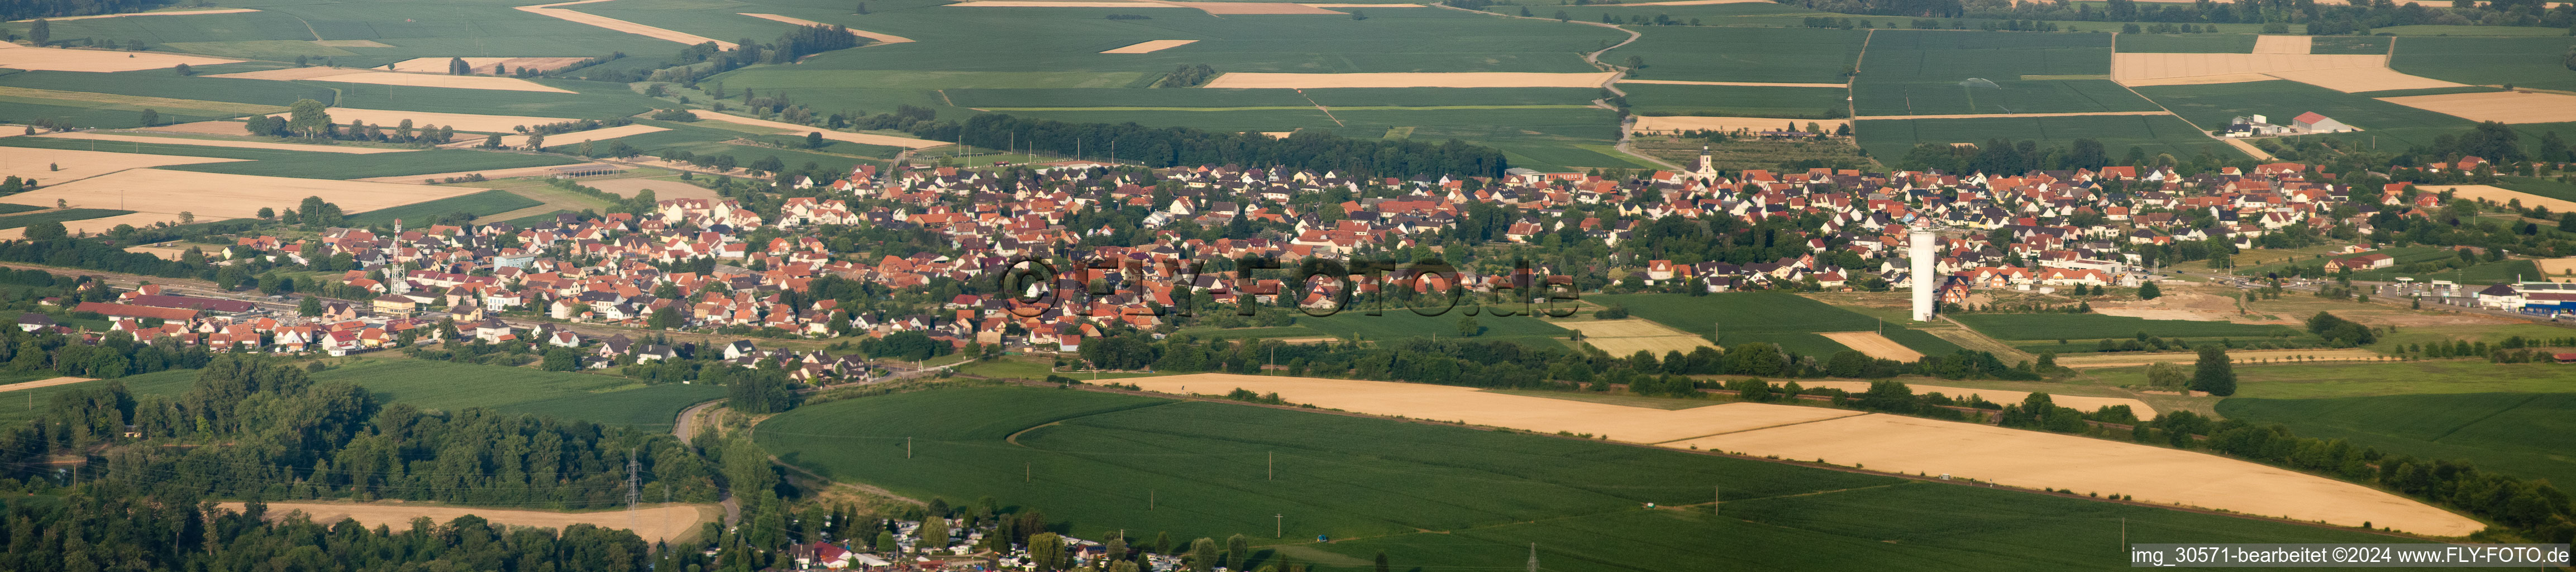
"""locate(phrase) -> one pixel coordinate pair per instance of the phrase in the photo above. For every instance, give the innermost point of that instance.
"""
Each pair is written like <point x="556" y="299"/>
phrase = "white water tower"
<point x="1923" y="247"/>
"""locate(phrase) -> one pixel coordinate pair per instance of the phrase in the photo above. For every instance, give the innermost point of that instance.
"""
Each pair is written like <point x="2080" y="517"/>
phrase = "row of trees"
<point x="140" y="524"/>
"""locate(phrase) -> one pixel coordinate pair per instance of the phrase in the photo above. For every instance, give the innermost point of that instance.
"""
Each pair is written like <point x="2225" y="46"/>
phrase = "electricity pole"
<point x="907" y="447"/>
<point x="1270" y="466"/>
<point x="1279" y="526"/>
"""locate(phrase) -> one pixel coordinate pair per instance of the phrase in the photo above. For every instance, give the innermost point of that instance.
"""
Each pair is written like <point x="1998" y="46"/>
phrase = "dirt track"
<point x="47" y="382"/>
<point x="656" y="524"/>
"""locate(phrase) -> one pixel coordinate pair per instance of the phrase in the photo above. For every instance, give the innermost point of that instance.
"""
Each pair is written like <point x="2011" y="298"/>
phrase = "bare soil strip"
<point x="658" y="524"/>
<point x="600" y="134"/>
<point x="223" y="143"/>
<point x="2501" y="106"/>
<point x="203" y="127"/>
<point x="791" y="128"/>
<point x="2283" y="44"/>
<point x="460" y="121"/>
<point x="1149" y="47"/>
<point x="1992" y="115"/>
<point x="2037" y="459"/>
<point x="1410" y="79"/>
<point x="442" y="80"/>
<point x="1679" y="123"/>
<point x="554" y="11"/>
<point x="2138" y="66"/>
<point x="47" y="382"/>
<point x="291" y="73"/>
<point x="1741" y="83"/>
<point x="169" y="13"/>
<point x="2248" y="148"/>
<point x="1875" y="345"/>
<point x="2199" y="79"/>
<point x="880" y="38"/>
<point x="61" y="59"/>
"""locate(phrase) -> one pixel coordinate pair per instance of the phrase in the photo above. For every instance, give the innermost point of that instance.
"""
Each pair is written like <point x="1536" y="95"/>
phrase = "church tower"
<point x="1707" y="166"/>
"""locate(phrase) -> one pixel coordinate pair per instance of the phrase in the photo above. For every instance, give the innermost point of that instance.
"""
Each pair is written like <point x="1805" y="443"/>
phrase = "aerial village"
<point x="2066" y="228"/>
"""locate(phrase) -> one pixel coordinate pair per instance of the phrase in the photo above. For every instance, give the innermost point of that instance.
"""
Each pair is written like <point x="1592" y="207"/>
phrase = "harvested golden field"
<point x="216" y="196"/>
<point x="2088" y="404"/>
<point x="61" y="59"/>
<point x="2036" y="459"/>
<point x="2501" y="106"/>
<point x="2138" y="66"/>
<point x="75" y="165"/>
<point x="1454" y="403"/>
<point x="47" y="382"/>
<point x="555" y="11"/>
<point x="1679" y="123"/>
<point x="2500" y="195"/>
<point x="658" y="524"/>
<point x="2558" y="269"/>
<point x="1149" y="46"/>
<point x="1624" y="337"/>
<point x="880" y="38"/>
<point x="791" y="128"/>
<point x="203" y="127"/>
<point x="224" y="143"/>
<point x="1410" y="79"/>
<point x="460" y="121"/>
<point x="2199" y="79"/>
<point x="1875" y="345"/>
<point x="2283" y="44"/>
<point x="290" y="73"/>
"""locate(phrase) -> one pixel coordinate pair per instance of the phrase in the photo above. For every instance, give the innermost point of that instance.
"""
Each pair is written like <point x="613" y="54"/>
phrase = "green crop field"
<point x="2186" y="43"/>
<point x="2213" y="105"/>
<point x="349" y="166"/>
<point x="1399" y="323"/>
<point x="2523" y="434"/>
<point x="2008" y="96"/>
<point x="2349" y="45"/>
<point x="421" y="214"/>
<point x="1785" y="319"/>
<point x="1734" y="100"/>
<point x="84" y="115"/>
<point x="163" y="83"/>
<point x="281" y="30"/>
<point x="595" y="100"/>
<point x="1944" y="56"/>
<point x="2153" y="133"/>
<point x="602" y="399"/>
<point x="1775" y="55"/>
<point x="2544" y="187"/>
<point x="1442" y="497"/>
<point x="2098" y="326"/>
<point x="65" y="215"/>
<point x="6" y="208"/>
<point x="2523" y="62"/>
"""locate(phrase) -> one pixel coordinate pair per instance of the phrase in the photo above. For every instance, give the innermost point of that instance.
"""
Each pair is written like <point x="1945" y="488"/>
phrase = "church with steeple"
<point x="1706" y="168"/>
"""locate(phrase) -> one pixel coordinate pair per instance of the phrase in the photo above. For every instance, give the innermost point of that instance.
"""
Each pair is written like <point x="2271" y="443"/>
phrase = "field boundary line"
<point x="2526" y="400"/>
<point x="1853" y="414"/>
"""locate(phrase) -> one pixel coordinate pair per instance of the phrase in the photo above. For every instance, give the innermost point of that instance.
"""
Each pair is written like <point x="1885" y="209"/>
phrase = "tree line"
<point x="142" y="525"/>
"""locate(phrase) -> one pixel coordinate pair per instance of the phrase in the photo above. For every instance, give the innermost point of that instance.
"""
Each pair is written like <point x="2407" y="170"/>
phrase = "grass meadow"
<point x="1438" y="496"/>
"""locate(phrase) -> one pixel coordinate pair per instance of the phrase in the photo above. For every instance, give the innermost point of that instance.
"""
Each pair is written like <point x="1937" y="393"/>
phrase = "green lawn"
<point x="1442" y="496"/>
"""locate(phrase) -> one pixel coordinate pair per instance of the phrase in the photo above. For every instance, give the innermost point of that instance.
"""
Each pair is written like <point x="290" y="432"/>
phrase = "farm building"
<point x="2311" y="122"/>
<point x="2360" y="263"/>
